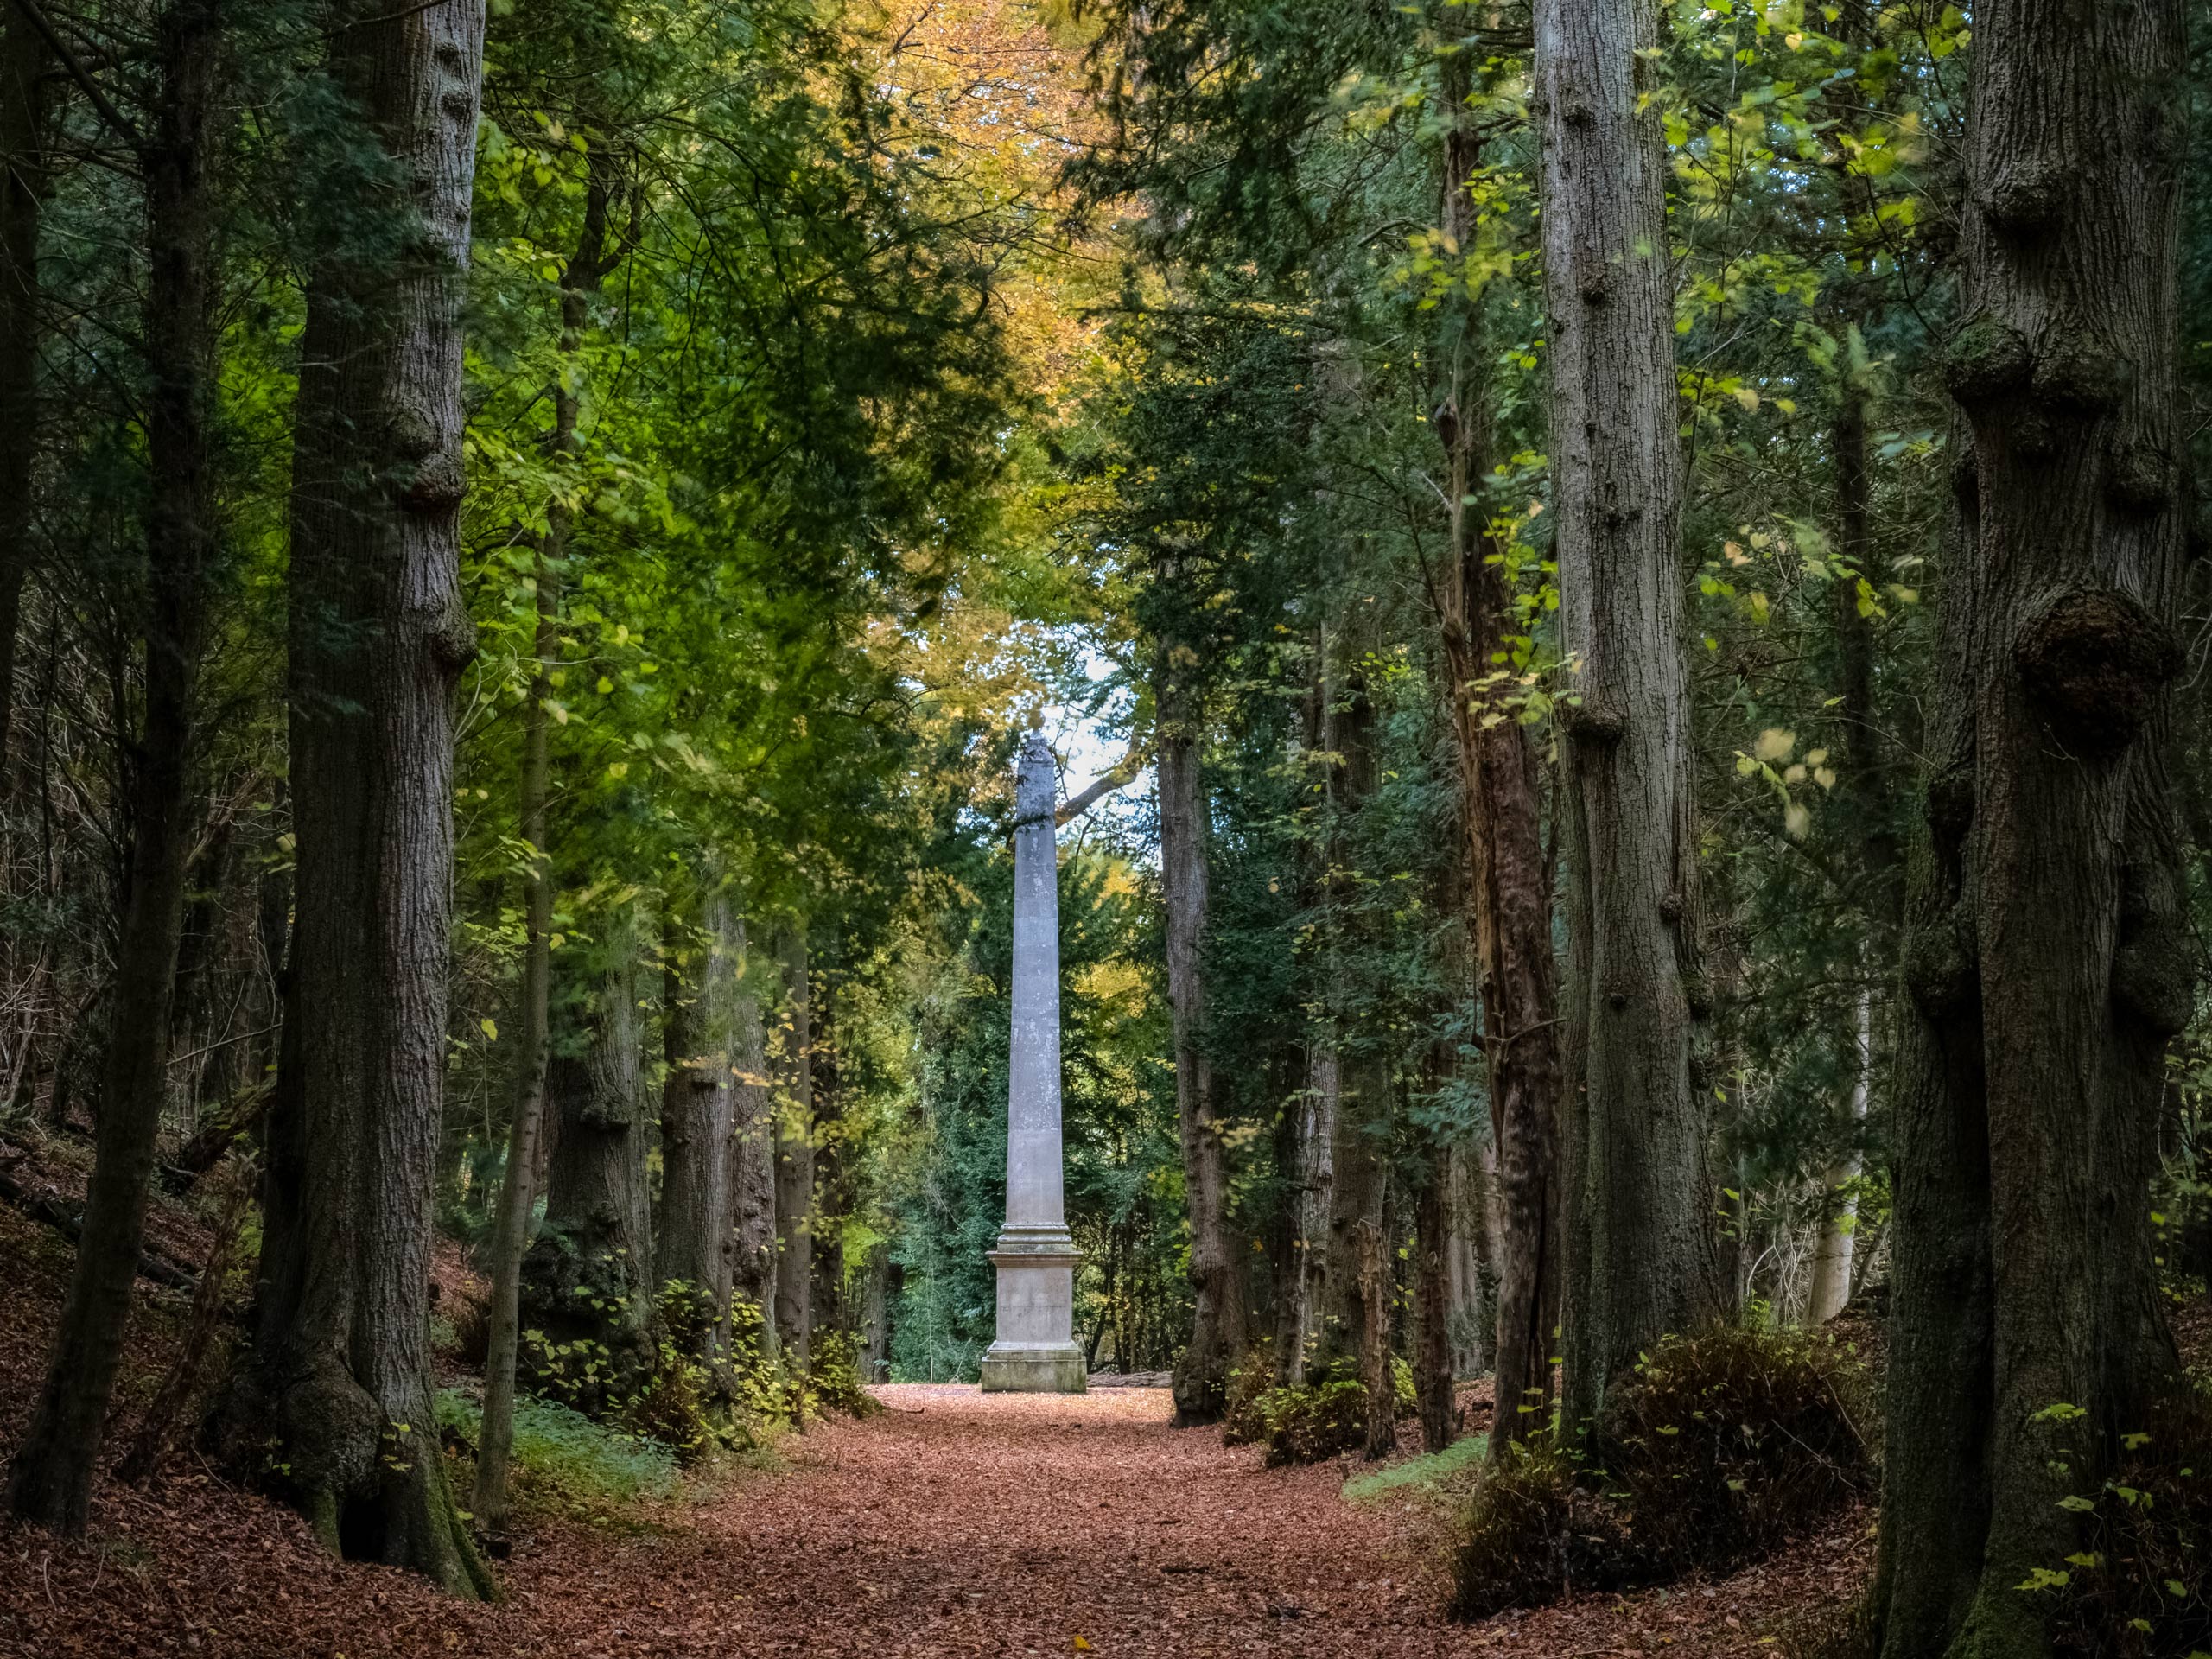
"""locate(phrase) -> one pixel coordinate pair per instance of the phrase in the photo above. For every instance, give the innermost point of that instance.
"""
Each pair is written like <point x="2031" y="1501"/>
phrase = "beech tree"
<point x="2047" y="959"/>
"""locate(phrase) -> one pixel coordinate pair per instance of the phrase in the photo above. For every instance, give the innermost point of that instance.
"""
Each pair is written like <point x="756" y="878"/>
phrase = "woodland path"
<point x="955" y="1524"/>
<point x="951" y="1525"/>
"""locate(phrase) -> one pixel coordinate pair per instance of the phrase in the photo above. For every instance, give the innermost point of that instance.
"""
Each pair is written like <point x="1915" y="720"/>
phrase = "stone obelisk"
<point x="1036" y="1259"/>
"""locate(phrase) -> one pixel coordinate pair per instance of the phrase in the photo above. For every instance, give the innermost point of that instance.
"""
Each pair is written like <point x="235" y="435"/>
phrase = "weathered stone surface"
<point x="1035" y="1351"/>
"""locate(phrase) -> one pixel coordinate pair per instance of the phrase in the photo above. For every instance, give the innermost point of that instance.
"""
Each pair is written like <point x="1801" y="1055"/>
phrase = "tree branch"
<point x="39" y="20"/>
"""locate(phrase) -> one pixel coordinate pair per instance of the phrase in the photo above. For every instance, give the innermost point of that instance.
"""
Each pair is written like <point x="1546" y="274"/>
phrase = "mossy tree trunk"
<point x="1218" y="1324"/>
<point x="2048" y="959"/>
<point x="336" y="1406"/>
<point x="588" y="1279"/>
<point x="51" y="1480"/>
<point x="697" y="1100"/>
<point x="1639" y="1258"/>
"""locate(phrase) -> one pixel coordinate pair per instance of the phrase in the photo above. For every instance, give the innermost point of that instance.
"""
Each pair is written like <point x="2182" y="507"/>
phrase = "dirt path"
<point x="958" y="1525"/>
<point x="949" y="1525"/>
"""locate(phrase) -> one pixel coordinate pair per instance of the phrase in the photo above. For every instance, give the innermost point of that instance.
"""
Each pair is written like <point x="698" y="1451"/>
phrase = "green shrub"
<point x="1310" y="1422"/>
<point x="2141" y="1586"/>
<point x="835" y="1376"/>
<point x="1718" y="1449"/>
<point x="1724" y="1445"/>
<point x="564" y="1461"/>
<point x="1533" y="1535"/>
<point x="1243" y="1422"/>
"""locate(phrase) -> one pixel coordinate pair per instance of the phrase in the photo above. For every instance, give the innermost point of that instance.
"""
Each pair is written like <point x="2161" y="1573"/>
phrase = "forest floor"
<point x="948" y="1524"/>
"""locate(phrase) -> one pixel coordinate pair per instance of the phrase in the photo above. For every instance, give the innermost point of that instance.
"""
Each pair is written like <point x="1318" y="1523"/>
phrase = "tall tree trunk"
<point x="1218" y="1324"/>
<point x="2047" y="958"/>
<point x="24" y="66"/>
<point x="1472" y="1261"/>
<point x="1376" y="1373"/>
<point x="794" y="1316"/>
<point x="1316" y="1203"/>
<point x="1433" y="1371"/>
<point x="518" y="1197"/>
<point x="1639" y="1261"/>
<point x="1867" y="792"/>
<point x="1831" y="1288"/>
<point x="1286" y="1245"/>
<point x="342" y="1377"/>
<point x="1360" y="1136"/>
<point x="832" y="1199"/>
<point x="1509" y="911"/>
<point x="51" y="1479"/>
<point x="698" y="1098"/>
<point x="752" y="1153"/>
<point x="588" y="1278"/>
<point x="875" y="1318"/>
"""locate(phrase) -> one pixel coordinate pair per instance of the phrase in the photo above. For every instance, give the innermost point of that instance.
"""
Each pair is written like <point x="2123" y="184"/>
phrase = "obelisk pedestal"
<point x="1036" y="1259"/>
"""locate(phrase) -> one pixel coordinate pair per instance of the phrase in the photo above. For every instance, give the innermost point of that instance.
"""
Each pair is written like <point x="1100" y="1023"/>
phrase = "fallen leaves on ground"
<point x="953" y="1524"/>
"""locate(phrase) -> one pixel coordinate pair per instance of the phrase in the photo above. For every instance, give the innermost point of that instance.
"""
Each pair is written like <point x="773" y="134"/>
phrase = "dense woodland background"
<point x="690" y="442"/>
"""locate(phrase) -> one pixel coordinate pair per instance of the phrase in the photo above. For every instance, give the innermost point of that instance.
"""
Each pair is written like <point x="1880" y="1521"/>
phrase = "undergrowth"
<point x="566" y="1462"/>
<point x="2141" y="1586"/>
<point x="1718" y="1449"/>
<point x="1307" y="1422"/>
<point x="1437" y="1474"/>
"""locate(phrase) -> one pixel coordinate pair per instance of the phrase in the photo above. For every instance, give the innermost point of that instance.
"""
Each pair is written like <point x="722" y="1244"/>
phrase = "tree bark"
<point x="794" y="1316"/>
<point x="752" y="1153"/>
<point x="1360" y="1137"/>
<point x="338" y="1404"/>
<point x="24" y="66"/>
<point x="1218" y="1324"/>
<point x="698" y="1099"/>
<point x="832" y="1197"/>
<point x="1510" y="912"/>
<point x="1285" y="1243"/>
<point x="1376" y="1373"/>
<point x="588" y="1278"/>
<point x="51" y="1479"/>
<point x="1316" y="1203"/>
<point x="2048" y="959"/>
<point x="1832" y="1256"/>
<point x="1640" y="1255"/>
<point x="1433" y="1372"/>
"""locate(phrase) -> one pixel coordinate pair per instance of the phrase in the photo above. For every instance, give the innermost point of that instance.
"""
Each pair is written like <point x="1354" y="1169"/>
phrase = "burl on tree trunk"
<point x="336" y="1408"/>
<point x="2047" y="957"/>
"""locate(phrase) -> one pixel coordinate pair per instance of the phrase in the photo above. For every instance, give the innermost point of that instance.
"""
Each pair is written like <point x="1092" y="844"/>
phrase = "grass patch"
<point x="565" y="1462"/>
<point x="1432" y="1476"/>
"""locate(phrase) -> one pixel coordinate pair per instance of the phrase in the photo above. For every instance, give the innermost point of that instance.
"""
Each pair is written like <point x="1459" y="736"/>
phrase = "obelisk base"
<point x="1035" y="1352"/>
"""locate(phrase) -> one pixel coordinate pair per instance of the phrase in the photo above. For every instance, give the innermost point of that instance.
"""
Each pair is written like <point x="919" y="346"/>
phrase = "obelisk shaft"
<point x="1035" y="1352"/>
<point x="1033" y="1198"/>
